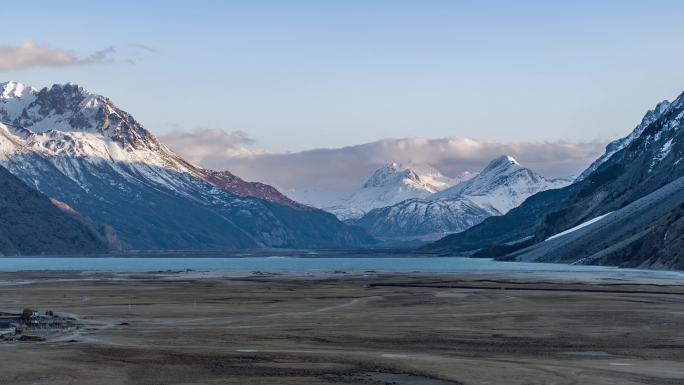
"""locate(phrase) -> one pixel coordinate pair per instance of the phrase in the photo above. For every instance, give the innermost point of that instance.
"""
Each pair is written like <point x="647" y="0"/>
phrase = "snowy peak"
<point x="500" y="165"/>
<point x="14" y="97"/>
<point x="68" y="121"/>
<point x="650" y="117"/>
<point x="504" y="159"/>
<point x="70" y="108"/>
<point x="654" y="114"/>
<point x="396" y="175"/>
<point x="391" y="174"/>
<point x="502" y="185"/>
<point x="496" y="174"/>
<point x="14" y="90"/>
<point x="389" y="184"/>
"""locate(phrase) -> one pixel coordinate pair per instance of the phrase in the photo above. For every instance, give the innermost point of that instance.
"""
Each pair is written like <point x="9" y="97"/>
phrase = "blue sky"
<point x="296" y="75"/>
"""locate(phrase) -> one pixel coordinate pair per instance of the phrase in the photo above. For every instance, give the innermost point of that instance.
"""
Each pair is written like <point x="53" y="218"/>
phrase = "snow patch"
<point x="581" y="225"/>
<point x="662" y="154"/>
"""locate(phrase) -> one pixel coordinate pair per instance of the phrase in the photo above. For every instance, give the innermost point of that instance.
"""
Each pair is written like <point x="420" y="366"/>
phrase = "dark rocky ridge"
<point x="631" y="173"/>
<point x="32" y="225"/>
<point x="638" y="180"/>
<point x="614" y="234"/>
<point x="660" y="247"/>
<point x="234" y="184"/>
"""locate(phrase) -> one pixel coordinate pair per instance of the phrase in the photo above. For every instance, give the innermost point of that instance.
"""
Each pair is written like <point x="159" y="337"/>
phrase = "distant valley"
<point x="99" y="182"/>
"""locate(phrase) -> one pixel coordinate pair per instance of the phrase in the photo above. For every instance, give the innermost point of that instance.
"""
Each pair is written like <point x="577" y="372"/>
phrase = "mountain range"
<point x="385" y="186"/>
<point x="80" y="149"/>
<point x="502" y="185"/>
<point x="79" y="175"/>
<point x="626" y="209"/>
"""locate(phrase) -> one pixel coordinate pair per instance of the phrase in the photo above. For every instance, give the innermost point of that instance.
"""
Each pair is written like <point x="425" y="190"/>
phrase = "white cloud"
<point x="209" y="146"/>
<point x="341" y="168"/>
<point x="31" y="54"/>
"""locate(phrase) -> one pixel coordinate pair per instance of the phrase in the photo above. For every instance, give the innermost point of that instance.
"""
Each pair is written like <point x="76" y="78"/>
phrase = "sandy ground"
<point x="418" y="330"/>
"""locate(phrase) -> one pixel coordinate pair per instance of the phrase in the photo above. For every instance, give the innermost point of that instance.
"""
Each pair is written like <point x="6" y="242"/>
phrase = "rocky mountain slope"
<point x="639" y="234"/>
<point x="81" y="149"/>
<point x="649" y="161"/>
<point x="386" y="186"/>
<point x="637" y="192"/>
<point x="661" y="247"/>
<point x="501" y="232"/>
<point x="32" y="225"/>
<point x="625" y="209"/>
<point x="501" y="186"/>
<point x="617" y="145"/>
<point x="227" y="181"/>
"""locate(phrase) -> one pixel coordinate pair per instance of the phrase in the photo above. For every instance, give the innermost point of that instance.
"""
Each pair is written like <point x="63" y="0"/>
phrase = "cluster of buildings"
<point x="31" y="325"/>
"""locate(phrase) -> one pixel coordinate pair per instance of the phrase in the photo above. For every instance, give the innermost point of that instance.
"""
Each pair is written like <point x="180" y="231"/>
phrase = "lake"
<point x="307" y="265"/>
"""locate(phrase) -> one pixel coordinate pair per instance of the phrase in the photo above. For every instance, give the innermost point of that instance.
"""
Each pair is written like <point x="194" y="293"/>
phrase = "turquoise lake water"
<point x="307" y="265"/>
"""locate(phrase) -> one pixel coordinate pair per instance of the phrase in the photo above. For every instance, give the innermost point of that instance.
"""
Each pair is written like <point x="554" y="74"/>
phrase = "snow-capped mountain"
<point x="501" y="186"/>
<point x="617" y="145"/>
<point x="648" y="158"/>
<point x="629" y="210"/>
<point x="79" y="148"/>
<point x="626" y="209"/>
<point x="386" y="186"/>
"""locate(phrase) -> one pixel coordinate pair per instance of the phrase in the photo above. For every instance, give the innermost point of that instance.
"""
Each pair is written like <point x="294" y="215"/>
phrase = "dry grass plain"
<point x="439" y="330"/>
